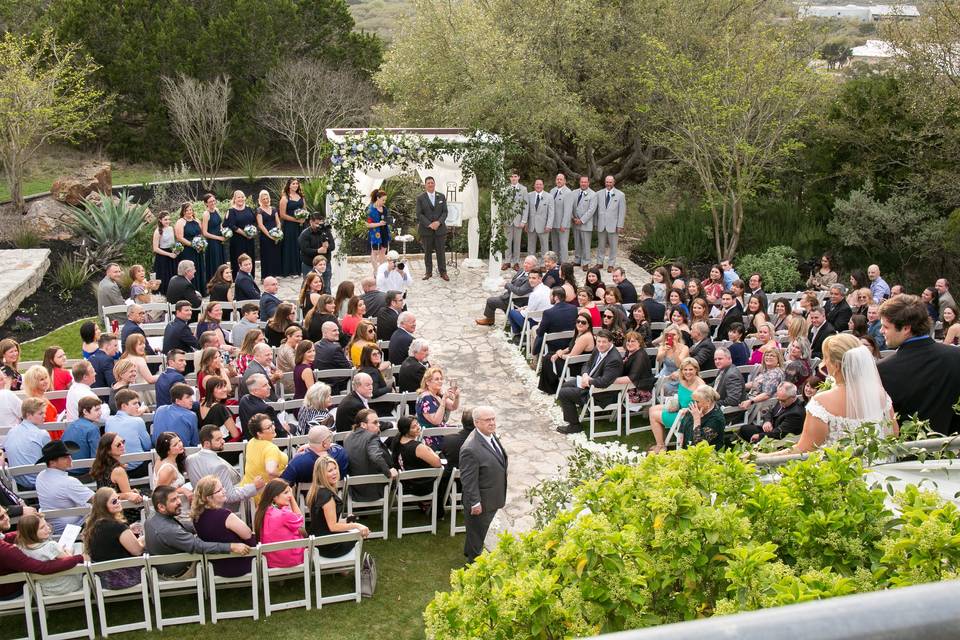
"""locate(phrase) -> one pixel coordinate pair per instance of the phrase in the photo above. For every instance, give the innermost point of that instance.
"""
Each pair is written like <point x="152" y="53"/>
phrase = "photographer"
<point x="393" y="275"/>
<point x="316" y="239"/>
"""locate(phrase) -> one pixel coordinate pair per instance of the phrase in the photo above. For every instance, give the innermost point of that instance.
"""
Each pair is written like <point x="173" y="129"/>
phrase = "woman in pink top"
<point x="279" y="519"/>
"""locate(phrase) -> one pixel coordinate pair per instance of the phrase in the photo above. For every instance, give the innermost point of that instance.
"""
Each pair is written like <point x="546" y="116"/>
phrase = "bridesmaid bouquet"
<point x="301" y="214"/>
<point x="176" y="249"/>
<point x="199" y="243"/>
<point x="227" y="233"/>
<point x="250" y="231"/>
<point x="276" y="234"/>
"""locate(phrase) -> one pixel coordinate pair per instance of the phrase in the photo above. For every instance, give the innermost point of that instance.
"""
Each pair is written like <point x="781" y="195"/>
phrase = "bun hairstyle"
<point x="376" y="194"/>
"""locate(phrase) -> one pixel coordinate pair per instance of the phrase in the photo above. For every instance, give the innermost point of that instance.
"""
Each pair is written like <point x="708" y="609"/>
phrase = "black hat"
<point x="57" y="449"/>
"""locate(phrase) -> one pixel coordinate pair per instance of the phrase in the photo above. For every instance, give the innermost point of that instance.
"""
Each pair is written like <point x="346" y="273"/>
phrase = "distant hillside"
<point x="379" y="16"/>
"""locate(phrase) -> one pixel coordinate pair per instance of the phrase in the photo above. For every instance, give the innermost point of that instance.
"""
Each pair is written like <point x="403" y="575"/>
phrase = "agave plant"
<point x="105" y="227"/>
<point x="315" y="192"/>
<point x="252" y="163"/>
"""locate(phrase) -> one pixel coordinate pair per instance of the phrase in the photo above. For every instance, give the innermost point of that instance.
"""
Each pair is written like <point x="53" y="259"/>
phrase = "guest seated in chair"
<point x="326" y="509"/>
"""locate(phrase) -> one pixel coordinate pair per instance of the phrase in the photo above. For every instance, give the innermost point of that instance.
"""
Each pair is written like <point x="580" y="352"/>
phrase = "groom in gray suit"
<point x="583" y="207"/>
<point x="483" y="474"/>
<point x="562" y="210"/>
<point x="516" y="222"/>
<point x="432" y="218"/>
<point x="540" y="216"/>
<point x="611" y="210"/>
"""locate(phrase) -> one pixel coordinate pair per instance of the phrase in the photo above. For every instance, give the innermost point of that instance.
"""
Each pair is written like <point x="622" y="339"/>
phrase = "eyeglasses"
<point x="114" y="500"/>
<point x="608" y="316"/>
<point x="582" y="322"/>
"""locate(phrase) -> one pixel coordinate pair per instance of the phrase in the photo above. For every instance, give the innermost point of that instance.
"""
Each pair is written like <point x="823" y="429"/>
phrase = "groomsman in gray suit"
<point x="611" y="210"/>
<point x="516" y="222"/>
<point x="583" y="206"/>
<point x="562" y="210"/>
<point x="539" y="218"/>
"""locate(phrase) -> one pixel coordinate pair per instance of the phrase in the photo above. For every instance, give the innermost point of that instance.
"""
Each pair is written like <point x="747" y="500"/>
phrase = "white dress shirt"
<point x="539" y="299"/>
<point x="395" y="280"/>
<point x="79" y="390"/>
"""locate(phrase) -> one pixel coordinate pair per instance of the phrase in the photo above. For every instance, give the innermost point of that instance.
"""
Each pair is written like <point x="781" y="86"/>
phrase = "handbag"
<point x="368" y="576"/>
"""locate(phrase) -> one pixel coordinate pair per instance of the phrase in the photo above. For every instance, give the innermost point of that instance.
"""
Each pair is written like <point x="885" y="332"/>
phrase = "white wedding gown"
<point x="838" y="427"/>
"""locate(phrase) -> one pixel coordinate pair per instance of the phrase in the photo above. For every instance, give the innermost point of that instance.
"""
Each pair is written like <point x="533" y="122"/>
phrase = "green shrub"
<point x="684" y="235"/>
<point x="252" y="163"/>
<point x="696" y="533"/>
<point x="140" y="249"/>
<point x="24" y="236"/>
<point x="777" y="265"/>
<point x="71" y="273"/>
<point x="315" y="193"/>
<point x="108" y="226"/>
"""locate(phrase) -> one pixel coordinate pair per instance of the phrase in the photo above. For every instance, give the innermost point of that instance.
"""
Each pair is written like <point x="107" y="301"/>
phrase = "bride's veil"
<point x="866" y="399"/>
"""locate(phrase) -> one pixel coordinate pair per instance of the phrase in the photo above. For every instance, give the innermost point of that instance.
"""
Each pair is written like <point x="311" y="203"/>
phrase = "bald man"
<point x="268" y="299"/>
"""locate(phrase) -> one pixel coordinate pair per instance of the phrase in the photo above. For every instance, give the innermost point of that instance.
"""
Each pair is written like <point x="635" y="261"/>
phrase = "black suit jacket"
<point x="374" y="302"/>
<point x="452" y="445"/>
<point x="655" y="312"/>
<point x="386" y="325"/>
<point x="729" y="384"/>
<point x="347" y="411"/>
<point x="128" y="329"/>
<point x="400" y="345"/>
<point x="268" y="305"/>
<point x="838" y="315"/>
<point x="702" y="352"/>
<point x="923" y="378"/>
<point x="367" y="456"/>
<point x="628" y="292"/>
<point x="330" y="355"/>
<point x="179" y="288"/>
<point x="610" y="368"/>
<point x="251" y="406"/>
<point x="427" y="213"/>
<point x="177" y="335"/>
<point x="816" y="344"/>
<point x="786" y="421"/>
<point x="411" y="374"/>
<point x="735" y="314"/>
<point x="246" y="288"/>
<point x="103" y="365"/>
<point x="560" y="317"/>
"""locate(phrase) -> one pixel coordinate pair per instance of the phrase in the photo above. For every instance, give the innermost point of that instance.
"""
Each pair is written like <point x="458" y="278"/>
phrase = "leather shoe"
<point x="567" y="429"/>
<point x="446" y="278"/>
<point x="428" y="276"/>
<point x="484" y="322"/>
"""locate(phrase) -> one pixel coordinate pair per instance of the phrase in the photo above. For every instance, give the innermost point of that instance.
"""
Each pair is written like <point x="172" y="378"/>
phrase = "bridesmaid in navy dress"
<point x="211" y="223"/>
<point x="291" y="201"/>
<point x="164" y="260"/>
<point x="238" y="217"/>
<point x="267" y="219"/>
<point x="186" y="229"/>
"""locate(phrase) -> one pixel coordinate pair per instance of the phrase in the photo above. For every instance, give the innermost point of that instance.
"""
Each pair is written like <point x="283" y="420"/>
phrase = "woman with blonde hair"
<point x="135" y="350"/>
<point x="125" y="374"/>
<point x="239" y="218"/>
<point x="213" y="522"/>
<point x="268" y="219"/>
<point x="670" y="356"/>
<point x="768" y="376"/>
<point x="287" y="354"/>
<point x="662" y="416"/>
<point x="36" y="382"/>
<point x="326" y="508"/>
<point x="797" y="327"/>
<point x="767" y="339"/>
<point x="10" y="359"/>
<point x="434" y="403"/>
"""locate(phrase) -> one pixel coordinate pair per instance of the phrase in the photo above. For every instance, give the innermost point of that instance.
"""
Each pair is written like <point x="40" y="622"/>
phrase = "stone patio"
<point x="21" y="272"/>
<point x="490" y="371"/>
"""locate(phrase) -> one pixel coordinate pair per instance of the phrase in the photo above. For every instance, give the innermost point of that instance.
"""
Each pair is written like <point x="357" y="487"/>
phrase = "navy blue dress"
<point x="190" y="231"/>
<point x="216" y="253"/>
<point x="270" y="261"/>
<point x="238" y="219"/>
<point x="288" y="247"/>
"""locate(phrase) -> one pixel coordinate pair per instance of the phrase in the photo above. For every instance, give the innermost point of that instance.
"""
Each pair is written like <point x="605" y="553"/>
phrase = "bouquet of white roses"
<point x="199" y="243"/>
<point x="250" y="231"/>
<point x="176" y="249"/>
<point x="301" y="214"/>
<point x="276" y="234"/>
<point x="227" y="233"/>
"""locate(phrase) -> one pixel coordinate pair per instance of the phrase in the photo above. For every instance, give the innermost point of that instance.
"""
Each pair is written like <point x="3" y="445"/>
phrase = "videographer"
<point x="316" y="239"/>
<point x="393" y="275"/>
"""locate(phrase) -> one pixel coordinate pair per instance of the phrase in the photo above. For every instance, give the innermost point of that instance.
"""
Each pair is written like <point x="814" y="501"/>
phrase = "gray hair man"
<point x="359" y="398"/>
<point x="483" y="475"/>
<point x="782" y="419"/>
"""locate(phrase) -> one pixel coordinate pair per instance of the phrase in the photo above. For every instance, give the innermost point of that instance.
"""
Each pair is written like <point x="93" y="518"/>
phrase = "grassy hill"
<point x="379" y="16"/>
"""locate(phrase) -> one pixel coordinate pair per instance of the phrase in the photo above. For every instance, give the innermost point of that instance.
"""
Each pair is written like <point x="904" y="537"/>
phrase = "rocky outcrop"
<point x="73" y="189"/>
<point x="21" y="272"/>
<point x="50" y="218"/>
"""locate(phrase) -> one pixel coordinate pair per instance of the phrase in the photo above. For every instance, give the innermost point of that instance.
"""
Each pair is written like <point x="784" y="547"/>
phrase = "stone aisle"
<point x="490" y="371"/>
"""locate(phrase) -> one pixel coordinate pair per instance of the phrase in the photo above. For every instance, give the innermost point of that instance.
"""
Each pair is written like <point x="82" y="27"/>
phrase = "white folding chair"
<point x="612" y="408"/>
<point x="371" y="506"/>
<point x="21" y="604"/>
<point x="580" y="359"/>
<point x="527" y="332"/>
<point x="176" y="586"/>
<point x="213" y="580"/>
<point x="404" y="499"/>
<point x="79" y="597"/>
<point x="455" y="499"/>
<point x="269" y="573"/>
<point x="350" y="560"/>
<point x="104" y="595"/>
<point x="547" y="338"/>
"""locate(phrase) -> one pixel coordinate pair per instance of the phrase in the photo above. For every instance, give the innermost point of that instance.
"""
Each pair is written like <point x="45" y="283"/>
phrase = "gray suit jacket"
<point x="165" y="536"/>
<point x="109" y="295"/>
<point x="482" y="474"/>
<point x="520" y="205"/>
<point x="539" y="219"/>
<point x="584" y="208"/>
<point x="367" y="456"/>
<point x="610" y="217"/>
<point x="562" y="207"/>
<point x="519" y="286"/>
<point x="208" y="463"/>
<point x="729" y="384"/>
<point x="427" y="213"/>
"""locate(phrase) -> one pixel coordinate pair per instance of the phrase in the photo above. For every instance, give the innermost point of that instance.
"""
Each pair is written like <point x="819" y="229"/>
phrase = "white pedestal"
<point x="493" y="281"/>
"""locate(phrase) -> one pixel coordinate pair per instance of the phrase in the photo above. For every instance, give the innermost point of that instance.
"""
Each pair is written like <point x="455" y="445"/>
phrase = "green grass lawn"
<point x="66" y="337"/>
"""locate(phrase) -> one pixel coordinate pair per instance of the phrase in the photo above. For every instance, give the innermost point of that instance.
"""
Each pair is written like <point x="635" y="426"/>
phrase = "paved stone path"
<point x="490" y="371"/>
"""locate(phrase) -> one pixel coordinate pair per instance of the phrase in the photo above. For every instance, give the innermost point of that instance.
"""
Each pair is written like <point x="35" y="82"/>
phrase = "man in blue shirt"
<point x="178" y="417"/>
<point x="24" y="442"/>
<point x="319" y="443"/>
<point x="57" y="489"/>
<point x="84" y="432"/>
<point x="128" y="424"/>
<point x="729" y="274"/>
<point x="176" y="365"/>
<point x="102" y="360"/>
<point x="879" y="288"/>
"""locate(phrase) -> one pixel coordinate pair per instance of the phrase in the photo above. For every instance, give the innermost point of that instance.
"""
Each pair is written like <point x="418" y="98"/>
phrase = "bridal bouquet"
<point x="176" y="249"/>
<point x="250" y="231"/>
<point x="227" y="233"/>
<point x="199" y="243"/>
<point x="276" y="234"/>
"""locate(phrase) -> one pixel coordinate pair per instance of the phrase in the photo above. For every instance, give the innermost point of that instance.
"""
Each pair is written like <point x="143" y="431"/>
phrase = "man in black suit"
<point x="368" y="455"/>
<point x="244" y="286"/>
<point x="268" y="299"/>
<point x="358" y="398"/>
<point x="837" y="310"/>
<point x="256" y="402"/>
<point x="402" y="337"/>
<point x="373" y="300"/>
<point x="782" y="419"/>
<point x="328" y="354"/>
<point x="483" y="475"/>
<point x="755" y="285"/>
<point x="135" y="317"/>
<point x="180" y="286"/>
<point x="732" y="312"/>
<point x="923" y="376"/>
<point x="412" y="369"/>
<point x="518" y="285"/>
<point x="562" y="316"/>
<point x="703" y="348"/>
<point x="729" y="380"/>
<point x="628" y="292"/>
<point x="820" y="329"/>
<point x="177" y="334"/>
<point x="102" y="360"/>
<point x="388" y="316"/>
<point x="262" y="364"/>
<point x="432" y="218"/>
<point x="654" y="310"/>
<point x="605" y="365"/>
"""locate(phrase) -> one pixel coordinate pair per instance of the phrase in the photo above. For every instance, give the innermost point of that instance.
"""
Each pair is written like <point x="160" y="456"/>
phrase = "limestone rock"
<point x="92" y="178"/>
<point x="50" y="217"/>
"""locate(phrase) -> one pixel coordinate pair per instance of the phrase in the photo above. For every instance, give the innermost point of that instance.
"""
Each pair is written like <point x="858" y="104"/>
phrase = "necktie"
<point x="596" y="365"/>
<point x="580" y="197"/>
<point x="496" y="449"/>
<point x="556" y="194"/>
<point x="608" y="199"/>
<point x="538" y="201"/>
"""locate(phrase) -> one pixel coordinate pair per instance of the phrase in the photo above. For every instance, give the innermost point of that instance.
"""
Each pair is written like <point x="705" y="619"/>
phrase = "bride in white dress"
<point x="857" y="397"/>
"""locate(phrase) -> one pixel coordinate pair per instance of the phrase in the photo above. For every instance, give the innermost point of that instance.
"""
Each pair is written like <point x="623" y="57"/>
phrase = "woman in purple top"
<point x="214" y="523"/>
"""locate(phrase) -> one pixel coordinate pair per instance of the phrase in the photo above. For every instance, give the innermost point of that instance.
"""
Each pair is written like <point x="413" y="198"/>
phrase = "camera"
<point x="400" y="266"/>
